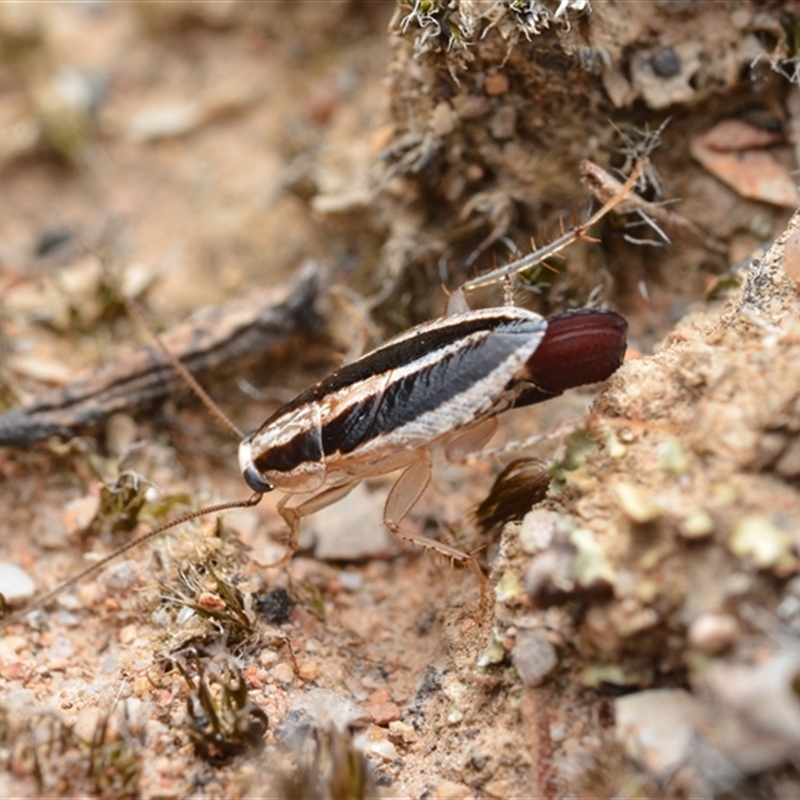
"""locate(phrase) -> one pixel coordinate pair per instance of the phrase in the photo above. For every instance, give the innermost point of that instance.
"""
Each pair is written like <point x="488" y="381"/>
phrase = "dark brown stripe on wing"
<point x="430" y="387"/>
<point x="399" y="353"/>
<point x="306" y="447"/>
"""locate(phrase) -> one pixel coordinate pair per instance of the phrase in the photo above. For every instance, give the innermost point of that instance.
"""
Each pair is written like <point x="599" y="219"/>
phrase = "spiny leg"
<point x="326" y="497"/>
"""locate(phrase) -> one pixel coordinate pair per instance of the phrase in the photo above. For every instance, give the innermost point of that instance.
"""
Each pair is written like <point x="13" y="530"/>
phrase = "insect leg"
<point x="404" y="494"/>
<point x="293" y="514"/>
<point x="468" y="442"/>
<point x="408" y="488"/>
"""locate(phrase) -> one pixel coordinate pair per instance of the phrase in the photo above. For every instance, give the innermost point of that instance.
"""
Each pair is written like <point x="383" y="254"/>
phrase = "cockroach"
<point x="444" y="381"/>
<point x="441" y="381"/>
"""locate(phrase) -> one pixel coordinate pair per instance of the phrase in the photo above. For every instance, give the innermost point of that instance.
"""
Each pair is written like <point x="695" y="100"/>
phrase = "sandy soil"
<point x="202" y="150"/>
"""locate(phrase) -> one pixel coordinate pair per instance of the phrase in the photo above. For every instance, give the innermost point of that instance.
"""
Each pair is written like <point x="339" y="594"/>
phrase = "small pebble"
<point x="283" y="673"/>
<point x="16" y="585"/>
<point x="211" y="602"/>
<point x="496" y="83"/>
<point x="469" y="107"/>
<point x="121" y="433"/>
<point x="267" y="658"/>
<point x="120" y="577"/>
<point x="533" y="656"/>
<point x="665" y="63"/>
<point x="474" y="173"/>
<point x="374" y="743"/>
<point x="498" y="788"/>
<point x="10" y="646"/>
<point x="380" y="696"/>
<point x="276" y="606"/>
<point x="635" y="502"/>
<point x="509" y="588"/>
<point x="403" y="731"/>
<point x="697" y="525"/>
<point x="311" y="669"/>
<point x="757" y="538"/>
<point x="384" y="713"/>
<point x="447" y="790"/>
<point x="672" y="458"/>
<point x="17" y="671"/>
<point x="540" y="529"/>
<point x="503" y="122"/>
<point x="164" y="122"/>
<point x="493" y="654"/>
<point x="591" y="566"/>
<point x="383" y="779"/>
<point x="549" y="579"/>
<point x="656" y="728"/>
<point x="443" y="120"/>
<point x="128" y="634"/>
<point x="756" y="710"/>
<point x="351" y="581"/>
<point x="713" y="633"/>
<point x="79" y="513"/>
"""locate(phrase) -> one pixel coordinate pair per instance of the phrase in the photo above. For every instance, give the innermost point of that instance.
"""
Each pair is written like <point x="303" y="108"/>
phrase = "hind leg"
<point x="407" y="490"/>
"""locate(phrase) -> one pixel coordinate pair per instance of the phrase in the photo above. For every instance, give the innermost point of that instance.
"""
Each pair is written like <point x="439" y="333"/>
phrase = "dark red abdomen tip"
<point x="579" y="347"/>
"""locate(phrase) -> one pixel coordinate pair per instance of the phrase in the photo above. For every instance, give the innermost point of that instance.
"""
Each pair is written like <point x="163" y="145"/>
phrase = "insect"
<point x="441" y="381"/>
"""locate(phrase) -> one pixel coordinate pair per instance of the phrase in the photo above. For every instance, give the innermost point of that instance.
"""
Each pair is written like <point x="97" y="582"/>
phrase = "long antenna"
<point x="42" y="601"/>
<point x="133" y="309"/>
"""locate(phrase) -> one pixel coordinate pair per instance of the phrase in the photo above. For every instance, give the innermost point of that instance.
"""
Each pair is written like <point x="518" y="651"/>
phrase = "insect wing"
<point x="440" y="388"/>
<point x="407" y="393"/>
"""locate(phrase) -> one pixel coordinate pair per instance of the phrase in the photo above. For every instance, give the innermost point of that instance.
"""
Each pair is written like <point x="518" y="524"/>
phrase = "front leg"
<point x="293" y="514"/>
